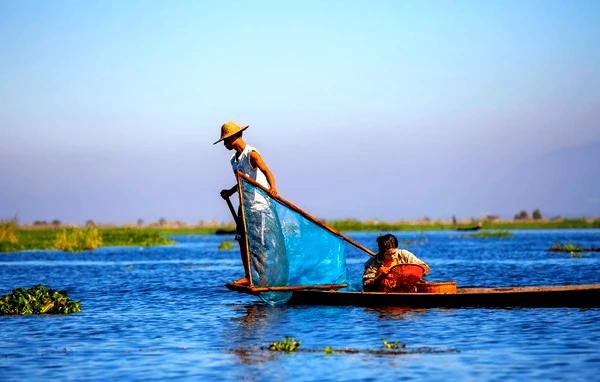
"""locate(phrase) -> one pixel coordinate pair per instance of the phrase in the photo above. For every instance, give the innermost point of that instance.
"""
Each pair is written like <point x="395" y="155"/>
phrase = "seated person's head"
<point x="387" y="242"/>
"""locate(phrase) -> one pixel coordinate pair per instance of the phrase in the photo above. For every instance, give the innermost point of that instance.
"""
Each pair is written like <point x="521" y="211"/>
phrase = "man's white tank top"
<point x="243" y="164"/>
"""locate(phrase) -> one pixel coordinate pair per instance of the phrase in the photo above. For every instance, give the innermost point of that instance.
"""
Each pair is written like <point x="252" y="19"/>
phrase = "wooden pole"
<point x="301" y="212"/>
<point x="232" y="210"/>
<point x="243" y="217"/>
<point x="296" y="287"/>
<point x="255" y="290"/>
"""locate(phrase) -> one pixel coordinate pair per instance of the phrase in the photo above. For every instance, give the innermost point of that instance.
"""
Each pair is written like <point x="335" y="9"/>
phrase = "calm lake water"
<point x="163" y="313"/>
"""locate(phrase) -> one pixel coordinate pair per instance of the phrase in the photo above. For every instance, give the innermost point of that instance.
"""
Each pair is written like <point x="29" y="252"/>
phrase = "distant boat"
<point x="222" y="231"/>
<point x="473" y="228"/>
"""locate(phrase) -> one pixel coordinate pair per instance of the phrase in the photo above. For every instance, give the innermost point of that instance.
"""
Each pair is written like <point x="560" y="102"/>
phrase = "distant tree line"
<point x="54" y="222"/>
<point x="523" y="215"/>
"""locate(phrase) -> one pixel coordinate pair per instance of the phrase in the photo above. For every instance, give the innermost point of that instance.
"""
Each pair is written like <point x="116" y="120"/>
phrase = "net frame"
<point x="240" y="176"/>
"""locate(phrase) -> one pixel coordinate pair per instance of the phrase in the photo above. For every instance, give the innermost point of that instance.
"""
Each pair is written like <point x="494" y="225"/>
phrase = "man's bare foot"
<point x="242" y="282"/>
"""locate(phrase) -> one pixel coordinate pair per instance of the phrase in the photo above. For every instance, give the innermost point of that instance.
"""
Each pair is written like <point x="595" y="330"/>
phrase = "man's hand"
<point x="389" y="284"/>
<point x="273" y="191"/>
<point x="226" y="193"/>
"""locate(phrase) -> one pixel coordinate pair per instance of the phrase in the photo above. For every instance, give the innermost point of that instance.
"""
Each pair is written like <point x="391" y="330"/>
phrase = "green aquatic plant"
<point x="8" y="232"/>
<point x="8" y="236"/>
<point x="290" y="345"/>
<point x="287" y="345"/>
<point x="37" y="300"/>
<point x="576" y="254"/>
<point x="78" y="239"/>
<point x="392" y="345"/>
<point x="489" y="234"/>
<point x="569" y="247"/>
<point x="226" y="245"/>
<point x="143" y="237"/>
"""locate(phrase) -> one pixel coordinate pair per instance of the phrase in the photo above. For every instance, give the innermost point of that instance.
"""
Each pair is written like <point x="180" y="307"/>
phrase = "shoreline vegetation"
<point x="446" y="225"/>
<point x="14" y="238"/>
<point x="489" y="234"/>
<point x="55" y="235"/>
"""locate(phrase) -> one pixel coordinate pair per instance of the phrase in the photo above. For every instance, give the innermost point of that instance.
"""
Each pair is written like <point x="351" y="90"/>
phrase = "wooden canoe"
<point x="532" y="296"/>
<point x="538" y="296"/>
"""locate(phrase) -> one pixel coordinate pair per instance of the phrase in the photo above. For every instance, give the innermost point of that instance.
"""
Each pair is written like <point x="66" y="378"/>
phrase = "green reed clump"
<point x="392" y="345"/>
<point x="489" y="234"/>
<point x="8" y="236"/>
<point x="287" y="345"/>
<point x="78" y="239"/>
<point x="569" y="247"/>
<point x="133" y="237"/>
<point x="37" y="300"/>
<point x="226" y="245"/>
<point x="8" y="231"/>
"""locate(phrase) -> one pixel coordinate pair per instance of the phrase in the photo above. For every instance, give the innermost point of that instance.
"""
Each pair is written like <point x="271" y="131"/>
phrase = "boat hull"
<point x="541" y="296"/>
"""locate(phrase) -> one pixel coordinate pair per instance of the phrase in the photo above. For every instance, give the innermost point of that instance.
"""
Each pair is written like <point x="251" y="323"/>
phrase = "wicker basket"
<point x="447" y="287"/>
<point x="401" y="278"/>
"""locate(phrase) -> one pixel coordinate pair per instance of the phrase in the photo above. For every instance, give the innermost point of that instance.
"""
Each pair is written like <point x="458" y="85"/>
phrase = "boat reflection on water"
<point x="255" y="322"/>
<point x="260" y="324"/>
<point x="395" y="312"/>
<point x="259" y="315"/>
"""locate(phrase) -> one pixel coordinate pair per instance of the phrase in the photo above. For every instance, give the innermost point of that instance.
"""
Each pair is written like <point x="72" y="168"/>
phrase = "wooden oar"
<point x="232" y="210"/>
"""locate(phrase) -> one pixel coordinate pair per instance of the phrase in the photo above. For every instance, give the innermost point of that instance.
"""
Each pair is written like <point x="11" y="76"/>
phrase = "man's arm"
<point x="257" y="161"/>
<point x="370" y="274"/>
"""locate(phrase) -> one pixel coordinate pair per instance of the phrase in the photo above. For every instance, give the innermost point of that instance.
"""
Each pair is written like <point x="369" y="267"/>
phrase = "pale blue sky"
<point x="385" y="110"/>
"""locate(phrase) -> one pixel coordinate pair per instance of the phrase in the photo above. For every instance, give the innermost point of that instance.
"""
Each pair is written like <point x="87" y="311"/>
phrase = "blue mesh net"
<point x="287" y="249"/>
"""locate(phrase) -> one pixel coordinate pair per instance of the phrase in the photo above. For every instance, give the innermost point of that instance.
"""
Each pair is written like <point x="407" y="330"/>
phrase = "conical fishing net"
<point x="288" y="249"/>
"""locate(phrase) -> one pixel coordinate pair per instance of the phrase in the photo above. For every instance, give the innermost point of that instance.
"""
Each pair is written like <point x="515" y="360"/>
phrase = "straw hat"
<point x="230" y="128"/>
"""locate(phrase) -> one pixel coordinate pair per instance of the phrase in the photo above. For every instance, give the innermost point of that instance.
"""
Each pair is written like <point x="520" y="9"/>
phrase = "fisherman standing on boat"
<point x="265" y="231"/>
<point x="388" y="256"/>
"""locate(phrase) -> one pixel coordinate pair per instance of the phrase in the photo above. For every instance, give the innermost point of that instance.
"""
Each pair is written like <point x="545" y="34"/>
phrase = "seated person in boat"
<point x="389" y="255"/>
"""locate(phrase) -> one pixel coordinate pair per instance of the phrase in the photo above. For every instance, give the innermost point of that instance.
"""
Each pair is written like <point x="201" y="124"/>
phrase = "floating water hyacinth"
<point x="37" y="300"/>
<point x="226" y="245"/>
<point x="392" y="345"/>
<point x="287" y="345"/>
<point x="290" y="345"/>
